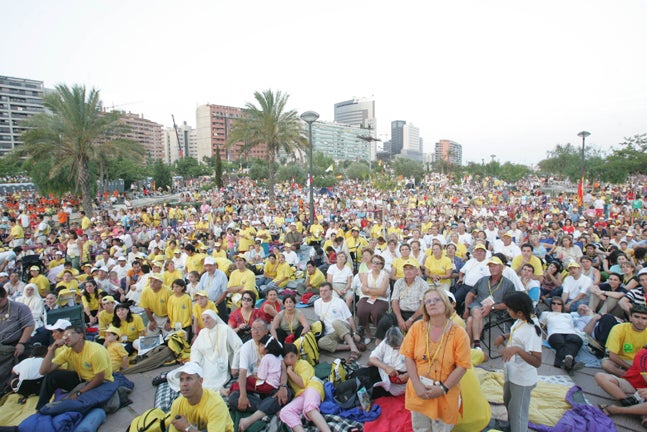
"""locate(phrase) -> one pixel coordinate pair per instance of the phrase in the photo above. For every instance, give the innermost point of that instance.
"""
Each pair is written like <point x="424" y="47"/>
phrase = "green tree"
<point x="189" y="167"/>
<point x="630" y="158"/>
<point x="71" y="133"/>
<point x="162" y="175"/>
<point x="358" y="171"/>
<point x="408" y="168"/>
<point x="292" y="171"/>
<point x="218" y="170"/>
<point x="272" y="125"/>
<point x="511" y="172"/>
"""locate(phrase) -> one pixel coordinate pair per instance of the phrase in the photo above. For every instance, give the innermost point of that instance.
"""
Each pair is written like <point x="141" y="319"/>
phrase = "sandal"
<point x="604" y="409"/>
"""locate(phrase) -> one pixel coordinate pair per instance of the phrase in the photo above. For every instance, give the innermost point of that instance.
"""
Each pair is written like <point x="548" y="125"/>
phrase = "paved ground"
<point x="144" y="392"/>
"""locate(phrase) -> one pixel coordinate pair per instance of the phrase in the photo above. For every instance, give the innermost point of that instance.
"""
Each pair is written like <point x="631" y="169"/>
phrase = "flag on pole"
<point x="580" y="193"/>
<point x="329" y="169"/>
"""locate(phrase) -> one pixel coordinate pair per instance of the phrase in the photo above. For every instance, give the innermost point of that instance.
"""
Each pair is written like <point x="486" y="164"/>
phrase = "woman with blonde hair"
<point x="437" y="354"/>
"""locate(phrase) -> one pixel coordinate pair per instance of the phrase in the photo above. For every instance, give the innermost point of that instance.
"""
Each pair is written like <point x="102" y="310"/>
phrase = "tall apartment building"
<point x="20" y="98"/>
<point x="449" y="151"/>
<point x="397" y="137"/>
<point x="213" y="123"/>
<point x="187" y="142"/>
<point x="342" y="142"/>
<point x="147" y="133"/>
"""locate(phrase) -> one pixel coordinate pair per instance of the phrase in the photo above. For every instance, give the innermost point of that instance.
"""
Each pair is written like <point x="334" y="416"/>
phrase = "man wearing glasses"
<point x="88" y="362"/>
<point x="245" y="362"/>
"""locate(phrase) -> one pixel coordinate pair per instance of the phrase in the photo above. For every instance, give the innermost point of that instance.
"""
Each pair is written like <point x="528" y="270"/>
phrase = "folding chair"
<point x="497" y="324"/>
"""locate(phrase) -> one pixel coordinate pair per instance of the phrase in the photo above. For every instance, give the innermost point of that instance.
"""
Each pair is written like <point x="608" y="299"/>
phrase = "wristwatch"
<point x="78" y="393"/>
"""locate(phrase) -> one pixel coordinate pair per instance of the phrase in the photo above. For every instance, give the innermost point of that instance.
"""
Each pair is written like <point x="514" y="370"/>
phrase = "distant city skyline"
<point x="508" y="78"/>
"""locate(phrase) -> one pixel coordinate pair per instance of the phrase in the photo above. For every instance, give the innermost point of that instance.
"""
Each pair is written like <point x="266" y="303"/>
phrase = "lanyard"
<point x="489" y="287"/>
<point x="431" y="359"/>
<point x="514" y="328"/>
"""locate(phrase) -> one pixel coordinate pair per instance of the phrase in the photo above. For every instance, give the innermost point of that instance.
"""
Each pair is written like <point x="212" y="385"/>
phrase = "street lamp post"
<point x="582" y="134"/>
<point x="310" y="117"/>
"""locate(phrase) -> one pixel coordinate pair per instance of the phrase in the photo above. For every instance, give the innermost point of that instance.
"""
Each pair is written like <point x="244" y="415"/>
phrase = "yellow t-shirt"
<point x="117" y="352"/>
<point x="197" y="311"/>
<point x="194" y="263"/>
<point x="438" y="267"/>
<point x="169" y="277"/>
<point x="93" y="304"/>
<point x="245" y="277"/>
<point x="132" y="330"/>
<point x="317" y="278"/>
<point x="210" y="414"/>
<point x="92" y="359"/>
<point x="625" y="341"/>
<point x="155" y="301"/>
<point x="398" y="265"/>
<point x="42" y="283"/>
<point x="179" y="310"/>
<point x="536" y="264"/>
<point x="307" y="374"/>
<point x="283" y="272"/>
<point x="105" y="320"/>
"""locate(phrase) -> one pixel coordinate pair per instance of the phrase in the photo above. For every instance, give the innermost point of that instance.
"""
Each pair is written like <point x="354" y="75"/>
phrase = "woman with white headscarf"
<point x="214" y="350"/>
<point x="33" y="300"/>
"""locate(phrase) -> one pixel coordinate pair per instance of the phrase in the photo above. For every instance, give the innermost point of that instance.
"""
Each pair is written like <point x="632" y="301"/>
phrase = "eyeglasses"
<point x="432" y="301"/>
<point x="556" y="303"/>
<point x="247" y="299"/>
<point x="376" y="262"/>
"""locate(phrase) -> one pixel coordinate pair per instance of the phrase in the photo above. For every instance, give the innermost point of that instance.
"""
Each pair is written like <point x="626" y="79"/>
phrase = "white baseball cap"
<point x="60" y="324"/>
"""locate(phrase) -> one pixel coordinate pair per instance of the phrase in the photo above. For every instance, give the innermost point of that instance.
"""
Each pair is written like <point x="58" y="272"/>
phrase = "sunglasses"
<point x="247" y="299"/>
<point x="557" y="303"/>
<point x="432" y="301"/>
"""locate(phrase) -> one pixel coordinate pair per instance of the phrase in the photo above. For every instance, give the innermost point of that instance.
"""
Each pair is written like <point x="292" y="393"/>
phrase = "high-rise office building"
<point x="356" y="112"/>
<point x="412" y="143"/>
<point x="449" y="151"/>
<point x="213" y="123"/>
<point x="397" y="136"/>
<point x="20" y="98"/>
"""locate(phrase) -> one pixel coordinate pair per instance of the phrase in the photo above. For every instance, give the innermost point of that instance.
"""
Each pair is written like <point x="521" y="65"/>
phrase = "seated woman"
<point x="32" y="299"/>
<point x="272" y="305"/>
<point x="131" y="326"/>
<point x="242" y="318"/>
<point x="375" y="290"/>
<point x="386" y="367"/>
<point x="214" y="350"/>
<point x="551" y="285"/>
<point x="290" y="323"/>
<point x="562" y="335"/>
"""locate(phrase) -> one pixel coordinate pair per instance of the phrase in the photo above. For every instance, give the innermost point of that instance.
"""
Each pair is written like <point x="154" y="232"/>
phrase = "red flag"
<point x="292" y="182"/>
<point x="580" y="192"/>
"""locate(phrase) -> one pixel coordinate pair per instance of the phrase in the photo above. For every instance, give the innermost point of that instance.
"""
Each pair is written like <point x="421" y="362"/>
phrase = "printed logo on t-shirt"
<point x="628" y="348"/>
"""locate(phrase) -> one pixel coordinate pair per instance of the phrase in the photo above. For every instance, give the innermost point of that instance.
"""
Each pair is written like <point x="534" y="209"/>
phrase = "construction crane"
<point x="177" y="135"/>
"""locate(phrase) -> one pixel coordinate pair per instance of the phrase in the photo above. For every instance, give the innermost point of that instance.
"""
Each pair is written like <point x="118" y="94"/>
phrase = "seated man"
<point x="624" y="341"/>
<point x="87" y="362"/>
<point x="197" y="409"/>
<point x="486" y="297"/>
<point x="637" y="295"/>
<point x="623" y="389"/>
<point x="340" y="333"/>
<point x="245" y="363"/>
<point x="576" y="287"/>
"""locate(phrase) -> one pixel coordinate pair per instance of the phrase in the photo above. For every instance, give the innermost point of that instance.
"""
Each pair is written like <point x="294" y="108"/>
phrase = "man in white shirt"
<point x="507" y="247"/>
<point x="473" y="270"/>
<point x="122" y="267"/>
<point x="340" y="333"/>
<point x="576" y="288"/>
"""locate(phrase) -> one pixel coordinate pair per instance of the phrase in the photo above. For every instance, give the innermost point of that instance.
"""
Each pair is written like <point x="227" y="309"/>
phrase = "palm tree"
<point x="269" y="123"/>
<point x="73" y="133"/>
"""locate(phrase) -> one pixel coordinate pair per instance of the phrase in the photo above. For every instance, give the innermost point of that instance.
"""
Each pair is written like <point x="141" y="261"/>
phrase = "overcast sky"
<point x="509" y="78"/>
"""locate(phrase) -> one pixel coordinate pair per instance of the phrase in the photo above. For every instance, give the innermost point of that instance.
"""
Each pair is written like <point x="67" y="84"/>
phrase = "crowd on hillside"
<point x="234" y="260"/>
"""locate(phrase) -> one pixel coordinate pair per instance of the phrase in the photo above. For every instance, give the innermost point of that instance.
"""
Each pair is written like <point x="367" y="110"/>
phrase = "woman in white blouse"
<point x="374" y="299"/>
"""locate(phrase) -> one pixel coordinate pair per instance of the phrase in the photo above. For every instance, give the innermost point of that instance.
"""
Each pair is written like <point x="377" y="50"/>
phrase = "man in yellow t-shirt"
<point x="242" y="278"/>
<point x="197" y="409"/>
<point x="88" y="362"/>
<point x="527" y="257"/>
<point x="154" y="301"/>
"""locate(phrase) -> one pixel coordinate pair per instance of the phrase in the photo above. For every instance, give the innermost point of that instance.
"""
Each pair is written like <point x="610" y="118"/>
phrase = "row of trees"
<point x="71" y="145"/>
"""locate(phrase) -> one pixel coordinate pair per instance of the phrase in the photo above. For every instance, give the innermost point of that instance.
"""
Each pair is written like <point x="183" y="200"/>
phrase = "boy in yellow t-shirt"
<point x="116" y="351"/>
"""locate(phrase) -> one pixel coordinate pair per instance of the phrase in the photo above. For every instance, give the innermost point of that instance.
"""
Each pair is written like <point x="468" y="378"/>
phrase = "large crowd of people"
<point x="390" y="268"/>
